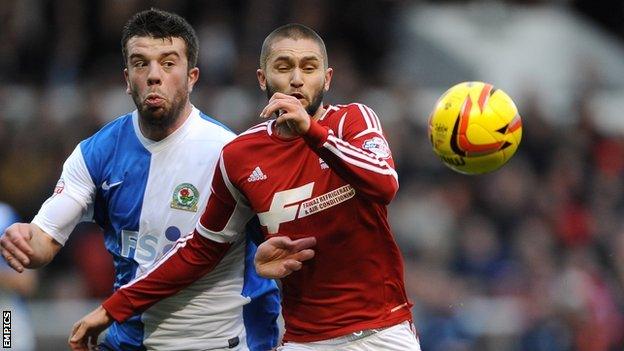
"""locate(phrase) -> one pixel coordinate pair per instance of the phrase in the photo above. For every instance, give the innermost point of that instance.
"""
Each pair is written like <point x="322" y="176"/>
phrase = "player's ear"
<point x="329" y="73"/>
<point x="193" y="76"/>
<point x="128" y="91"/>
<point x="261" y="79"/>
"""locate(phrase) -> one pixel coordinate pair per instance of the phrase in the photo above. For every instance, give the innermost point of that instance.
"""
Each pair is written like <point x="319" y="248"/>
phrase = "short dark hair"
<point x="161" y="24"/>
<point x="294" y="31"/>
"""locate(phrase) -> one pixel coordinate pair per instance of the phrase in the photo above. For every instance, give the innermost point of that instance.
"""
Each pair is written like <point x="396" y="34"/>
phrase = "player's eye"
<point x="168" y="64"/>
<point x="138" y="64"/>
<point x="309" y="68"/>
<point x="283" y="68"/>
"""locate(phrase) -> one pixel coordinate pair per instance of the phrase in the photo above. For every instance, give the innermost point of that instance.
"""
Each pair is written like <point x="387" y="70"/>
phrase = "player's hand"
<point x="289" y="110"/>
<point x="15" y="246"/>
<point x="279" y="256"/>
<point x="85" y="332"/>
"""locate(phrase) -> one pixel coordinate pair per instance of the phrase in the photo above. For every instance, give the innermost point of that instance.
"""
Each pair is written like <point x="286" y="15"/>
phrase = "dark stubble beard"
<point x="163" y="117"/>
<point x="314" y="105"/>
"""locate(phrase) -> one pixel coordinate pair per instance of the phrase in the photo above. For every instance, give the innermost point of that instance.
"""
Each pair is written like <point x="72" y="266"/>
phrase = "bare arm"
<point x="25" y="245"/>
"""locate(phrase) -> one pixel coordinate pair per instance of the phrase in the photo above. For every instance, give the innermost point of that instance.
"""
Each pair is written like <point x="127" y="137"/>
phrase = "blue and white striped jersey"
<point x="146" y="195"/>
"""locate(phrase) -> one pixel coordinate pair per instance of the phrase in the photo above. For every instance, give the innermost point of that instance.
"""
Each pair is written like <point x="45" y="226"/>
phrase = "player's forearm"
<point x="193" y="259"/>
<point x="44" y="247"/>
<point x="368" y="174"/>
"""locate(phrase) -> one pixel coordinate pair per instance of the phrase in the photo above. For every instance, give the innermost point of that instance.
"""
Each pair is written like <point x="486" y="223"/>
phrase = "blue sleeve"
<point x="260" y="315"/>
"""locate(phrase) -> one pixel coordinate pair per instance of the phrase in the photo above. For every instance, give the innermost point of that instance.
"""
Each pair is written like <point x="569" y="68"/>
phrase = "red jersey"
<point x="334" y="184"/>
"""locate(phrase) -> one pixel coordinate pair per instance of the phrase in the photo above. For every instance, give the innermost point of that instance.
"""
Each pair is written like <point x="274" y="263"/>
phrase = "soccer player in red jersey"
<point x="319" y="178"/>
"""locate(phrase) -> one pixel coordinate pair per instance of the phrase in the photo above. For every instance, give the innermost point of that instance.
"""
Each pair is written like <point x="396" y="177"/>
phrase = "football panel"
<point x="501" y="104"/>
<point x="479" y="165"/>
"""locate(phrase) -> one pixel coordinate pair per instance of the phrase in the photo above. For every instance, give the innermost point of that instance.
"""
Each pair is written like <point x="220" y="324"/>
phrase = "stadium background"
<point x="530" y="257"/>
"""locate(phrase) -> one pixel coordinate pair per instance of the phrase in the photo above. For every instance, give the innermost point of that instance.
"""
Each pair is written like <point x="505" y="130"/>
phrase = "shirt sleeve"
<point x="71" y="201"/>
<point x="194" y="256"/>
<point x="227" y="211"/>
<point x="358" y="152"/>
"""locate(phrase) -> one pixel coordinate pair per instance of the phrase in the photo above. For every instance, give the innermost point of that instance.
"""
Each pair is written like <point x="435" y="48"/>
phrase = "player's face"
<point x="158" y="78"/>
<point x="297" y="68"/>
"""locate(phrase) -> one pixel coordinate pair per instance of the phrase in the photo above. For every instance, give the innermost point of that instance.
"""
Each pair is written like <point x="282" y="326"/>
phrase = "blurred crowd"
<point x="528" y="258"/>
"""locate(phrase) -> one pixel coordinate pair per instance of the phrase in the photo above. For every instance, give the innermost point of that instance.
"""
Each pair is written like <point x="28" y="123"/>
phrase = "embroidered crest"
<point x="60" y="185"/>
<point x="378" y="146"/>
<point x="185" y="197"/>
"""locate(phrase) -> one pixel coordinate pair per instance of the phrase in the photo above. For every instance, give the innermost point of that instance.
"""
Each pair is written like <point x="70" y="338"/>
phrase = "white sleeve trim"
<point x="71" y="201"/>
<point x="368" y="131"/>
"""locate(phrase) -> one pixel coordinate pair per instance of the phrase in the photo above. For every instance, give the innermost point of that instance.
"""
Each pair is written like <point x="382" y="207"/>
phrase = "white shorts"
<point x="400" y="337"/>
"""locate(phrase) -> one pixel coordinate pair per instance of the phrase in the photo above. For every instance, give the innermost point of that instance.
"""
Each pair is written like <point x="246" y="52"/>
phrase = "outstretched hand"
<point x="86" y="331"/>
<point x="279" y="256"/>
<point x="15" y="246"/>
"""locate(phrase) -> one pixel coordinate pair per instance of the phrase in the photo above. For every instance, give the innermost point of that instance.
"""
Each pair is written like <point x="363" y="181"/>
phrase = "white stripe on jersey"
<point x="328" y="110"/>
<point x="368" y="131"/>
<point x="367" y="119"/>
<point x="382" y="169"/>
<point x="374" y="117"/>
<point x="354" y="151"/>
<point x="341" y="125"/>
<point x="255" y="129"/>
<point x="226" y="179"/>
<point x="370" y="117"/>
<point x="269" y="127"/>
<point x="239" y="217"/>
<point x="339" y="153"/>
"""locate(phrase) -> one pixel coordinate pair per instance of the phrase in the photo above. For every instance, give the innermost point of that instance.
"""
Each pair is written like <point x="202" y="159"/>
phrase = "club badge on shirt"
<point x="185" y="197"/>
<point x="378" y="146"/>
<point x="60" y="185"/>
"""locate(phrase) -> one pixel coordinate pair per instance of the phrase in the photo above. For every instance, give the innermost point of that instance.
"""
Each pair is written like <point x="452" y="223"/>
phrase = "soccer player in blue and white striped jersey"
<point x="144" y="178"/>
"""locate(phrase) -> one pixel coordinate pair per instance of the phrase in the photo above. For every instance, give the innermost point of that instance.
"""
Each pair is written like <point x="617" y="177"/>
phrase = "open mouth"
<point x="298" y="95"/>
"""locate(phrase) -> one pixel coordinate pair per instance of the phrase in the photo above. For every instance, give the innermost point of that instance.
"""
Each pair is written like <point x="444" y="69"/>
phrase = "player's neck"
<point x="319" y="113"/>
<point x="158" y="133"/>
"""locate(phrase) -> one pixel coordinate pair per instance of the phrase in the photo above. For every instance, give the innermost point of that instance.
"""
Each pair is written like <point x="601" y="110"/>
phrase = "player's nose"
<point x="296" y="80"/>
<point x="154" y="74"/>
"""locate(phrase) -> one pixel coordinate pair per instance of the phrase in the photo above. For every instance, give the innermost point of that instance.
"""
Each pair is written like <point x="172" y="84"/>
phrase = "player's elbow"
<point x="391" y="193"/>
<point x="386" y="193"/>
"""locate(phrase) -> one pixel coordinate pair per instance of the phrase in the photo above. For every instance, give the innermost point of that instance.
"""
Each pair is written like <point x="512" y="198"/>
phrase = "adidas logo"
<point x="256" y="175"/>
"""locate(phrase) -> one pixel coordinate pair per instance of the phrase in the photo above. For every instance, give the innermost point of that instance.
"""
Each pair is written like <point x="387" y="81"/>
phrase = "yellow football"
<point x="475" y="128"/>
